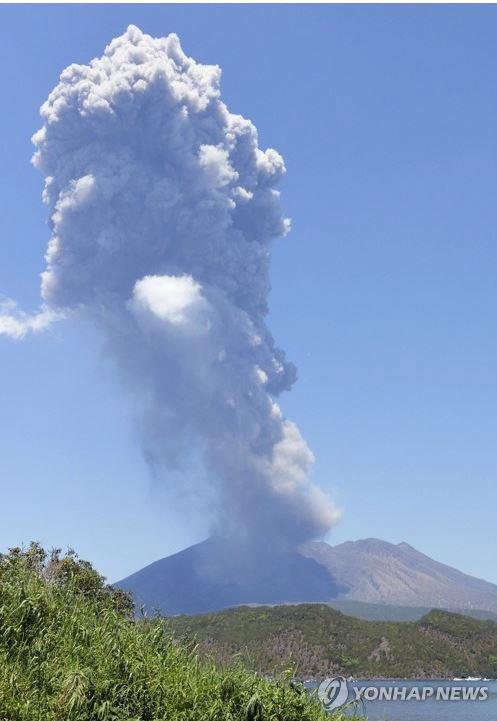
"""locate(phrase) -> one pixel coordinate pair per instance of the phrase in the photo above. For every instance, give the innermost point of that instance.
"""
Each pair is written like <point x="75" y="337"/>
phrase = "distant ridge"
<point x="387" y="612"/>
<point x="378" y="572"/>
<point x="371" y="572"/>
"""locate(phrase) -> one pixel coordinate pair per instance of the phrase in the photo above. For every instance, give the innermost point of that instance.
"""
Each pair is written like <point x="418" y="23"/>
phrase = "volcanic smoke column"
<point x="162" y="210"/>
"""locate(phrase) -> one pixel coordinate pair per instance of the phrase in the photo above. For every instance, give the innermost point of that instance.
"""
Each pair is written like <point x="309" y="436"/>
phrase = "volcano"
<point x="211" y="576"/>
<point x="203" y="578"/>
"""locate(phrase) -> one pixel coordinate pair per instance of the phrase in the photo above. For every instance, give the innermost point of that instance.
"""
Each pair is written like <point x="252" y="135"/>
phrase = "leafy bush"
<point x="71" y="650"/>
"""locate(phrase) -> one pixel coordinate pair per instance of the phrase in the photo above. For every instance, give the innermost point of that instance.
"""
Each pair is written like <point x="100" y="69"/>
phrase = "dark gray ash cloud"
<point x="162" y="210"/>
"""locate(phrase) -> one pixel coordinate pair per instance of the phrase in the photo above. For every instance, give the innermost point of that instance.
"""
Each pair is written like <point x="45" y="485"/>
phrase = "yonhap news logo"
<point x="334" y="692"/>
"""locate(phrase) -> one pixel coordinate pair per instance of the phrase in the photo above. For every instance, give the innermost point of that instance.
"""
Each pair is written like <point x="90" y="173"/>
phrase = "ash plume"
<point x="162" y="213"/>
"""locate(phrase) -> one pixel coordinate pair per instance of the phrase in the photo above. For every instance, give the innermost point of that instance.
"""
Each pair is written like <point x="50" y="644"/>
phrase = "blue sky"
<point x="384" y="294"/>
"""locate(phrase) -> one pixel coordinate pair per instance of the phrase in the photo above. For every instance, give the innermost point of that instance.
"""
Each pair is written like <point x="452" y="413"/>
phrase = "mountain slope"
<point x="375" y="571"/>
<point x="206" y="577"/>
<point x="211" y="576"/>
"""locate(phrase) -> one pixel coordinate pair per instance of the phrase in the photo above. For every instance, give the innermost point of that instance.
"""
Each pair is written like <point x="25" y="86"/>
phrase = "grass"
<point x="71" y="650"/>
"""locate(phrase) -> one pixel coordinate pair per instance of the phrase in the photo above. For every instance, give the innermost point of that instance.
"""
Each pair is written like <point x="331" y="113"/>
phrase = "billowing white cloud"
<point x="16" y="324"/>
<point x="175" y="300"/>
<point x="163" y="209"/>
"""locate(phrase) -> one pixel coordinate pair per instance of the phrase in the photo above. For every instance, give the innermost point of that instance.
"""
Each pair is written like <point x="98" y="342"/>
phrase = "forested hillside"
<point x="319" y="641"/>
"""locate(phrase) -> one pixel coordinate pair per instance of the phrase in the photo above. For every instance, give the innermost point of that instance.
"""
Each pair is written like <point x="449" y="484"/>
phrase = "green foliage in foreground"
<point x="70" y="649"/>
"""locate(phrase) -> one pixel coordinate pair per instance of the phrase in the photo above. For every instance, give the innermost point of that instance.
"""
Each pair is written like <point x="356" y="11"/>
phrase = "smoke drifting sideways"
<point x="162" y="212"/>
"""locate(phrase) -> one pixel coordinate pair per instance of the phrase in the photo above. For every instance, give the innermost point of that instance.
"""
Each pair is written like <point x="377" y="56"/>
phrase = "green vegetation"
<point x="71" y="650"/>
<point x="319" y="641"/>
